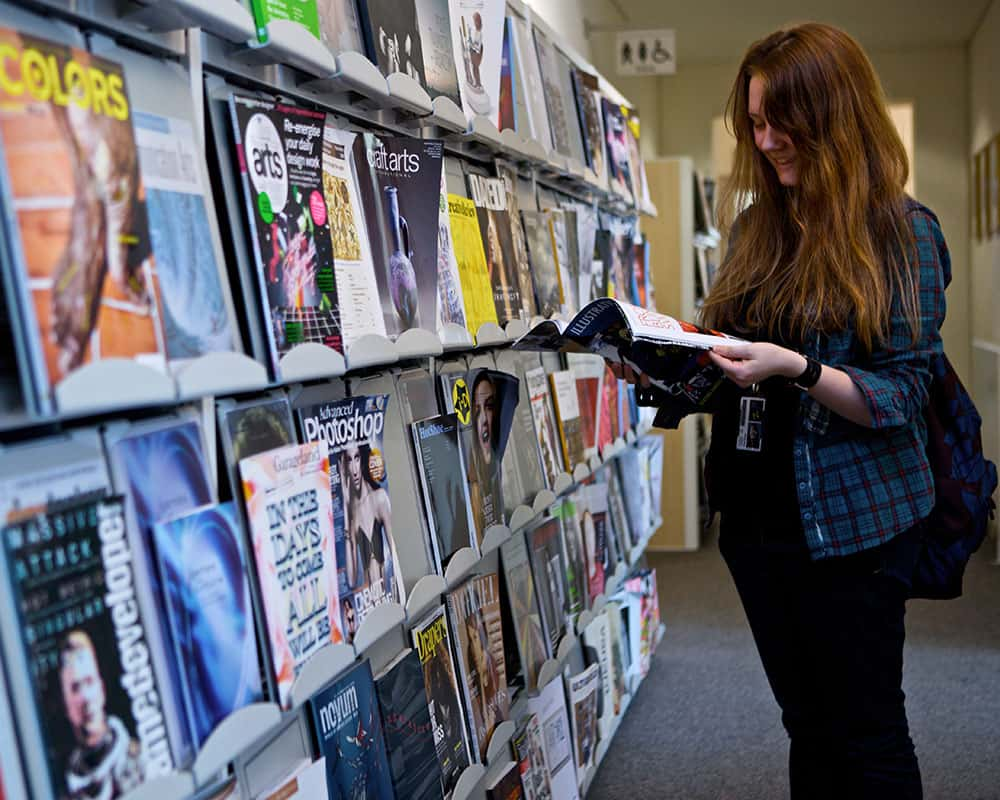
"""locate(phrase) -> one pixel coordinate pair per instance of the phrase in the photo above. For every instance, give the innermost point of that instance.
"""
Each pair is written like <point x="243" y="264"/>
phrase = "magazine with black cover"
<point x="529" y="749"/>
<point x="526" y="285"/>
<point x="583" y="691"/>
<point x="546" y="552"/>
<point x="444" y="488"/>
<point x="523" y="605"/>
<point x="280" y="155"/>
<point x="68" y="601"/>
<point x="367" y="564"/>
<point x="477" y="39"/>
<point x="674" y="354"/>
<point x="474" y="617"/>
<point x="432" y="641"/>
<point x="541" y="253"/>
<point x="588" y="105"/>
<point x="409" y="733"/>
<point x="490" y="197"/>
<point x="392" y="37"/>
<point x="400" y="180"/>
<point x="349" y="734"/>
<point x="440" y="71"/>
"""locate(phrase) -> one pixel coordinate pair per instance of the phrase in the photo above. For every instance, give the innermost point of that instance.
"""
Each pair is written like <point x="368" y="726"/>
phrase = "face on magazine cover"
<point x="484" y="417"/>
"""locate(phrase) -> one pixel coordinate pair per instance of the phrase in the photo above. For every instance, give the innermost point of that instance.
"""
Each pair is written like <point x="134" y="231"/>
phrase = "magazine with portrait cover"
<point x="593" y="513"/>
<point x="348" y="727"/>
<point x="567" y="406"/>
<point x="43" y="474"/>
<point x="583" y="691"/>
<point x="68" y="598"/>
<point x="280" y="158"/>
<point x="304" y="12"/>
<point x="451" y="303"/>
<point x="290" y="519"/>
<point x="557" y="736"/>
<point x="529" y="749"/>
<point x="640" y="187"/>
<point x="616" y="138"/>
<point x="251" y="427"/>
<point x="474" y="617"/>
<point x="526" y="285"/>
<point x="400" y="178"/>
<point x="80" y="283"/>
<point x="409" y="733"/>
<point x="523" y="473"/>
<point x="432" y="641"/>
<point x="484" y="400"/>
<point x="203" y="570"/>
<point x="194" y="293"/>
<point x="339" y="28"/>
<point x="490" y="197"/>
<point x="477" y="40"/>
<point x="523" y="605"/>
<point x="367" y="565"/>
<point x="507" y="112"/>
<point x="589" y="112"/>
<point x="357" y="289"/>
<point x="574" y="560"/>
<point x="474" y="276"/>
<point x="546" y="433"/>
<point x="392" y="38"/>
<point x="440" y="64"/>
<point x="159" y="467"/>
<point x="544" y="268"/>
<point x="444" y="487"/>
<point x="608" y="425"/>
<point x="549" y="575"/>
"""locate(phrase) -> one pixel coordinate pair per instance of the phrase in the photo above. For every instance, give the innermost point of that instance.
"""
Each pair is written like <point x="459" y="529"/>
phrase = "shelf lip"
<point x="220" y="373"/>
<point x="424" y="595"/>
<point x="377" y="624"/>
<point x="320" y="668"/>
<point x="370" y="350"/>
<point x="232" y="737"/>
<point x="289" y="43"/>
<point x="229" y="21"/>
<point x="175" y="786"/>
<point x="310" y="361"/>
<point x="352" y="72"/>
<point x="113" y="384"/>
<point x="408" y="95"/>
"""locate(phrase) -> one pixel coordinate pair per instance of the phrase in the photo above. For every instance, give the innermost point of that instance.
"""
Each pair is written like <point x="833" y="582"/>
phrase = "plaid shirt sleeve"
<point x="896" y="378"/>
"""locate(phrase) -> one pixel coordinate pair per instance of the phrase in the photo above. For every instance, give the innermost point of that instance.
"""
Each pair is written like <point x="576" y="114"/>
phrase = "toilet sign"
<point x="647" y="52"/>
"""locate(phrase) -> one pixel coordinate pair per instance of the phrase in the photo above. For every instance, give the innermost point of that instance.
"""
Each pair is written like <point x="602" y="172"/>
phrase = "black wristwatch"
<point x="810" y="375"/>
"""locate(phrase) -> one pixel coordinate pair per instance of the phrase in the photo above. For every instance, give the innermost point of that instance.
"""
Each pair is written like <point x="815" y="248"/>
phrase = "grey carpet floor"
<point x="704" y="724"/>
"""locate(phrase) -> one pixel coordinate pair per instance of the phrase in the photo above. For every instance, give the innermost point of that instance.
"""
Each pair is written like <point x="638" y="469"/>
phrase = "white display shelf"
<point x="288" y="43"/>
<point x="418" y="343"/>
<point x="543" y="501"/>
<point x="113" y="383"/>
<point x="468" y="783"/>
<point x="490" y="335"/>
<point x="521" y="517"/>
<point x="495" y="536"/>
<point x="220" y="373"/>
<point x="176" y="786"/>
<point x="515" y="329"/>
<point x="454" y="337"/>
<point x="227" y="20"/>
<point x="424" y="596"/>
<point x="408" y="95"/>
<point x="322" y="667"/>
<point x="497" y="748"/>
<point x="353" y="74"/>
<point x="309" y="361"/>
<point x="461" y="565"/>
<point x="235" y="733"/>
<point x="371" y="350"/>
<point x="379" y="622"/>
<point x="446" y="115"/>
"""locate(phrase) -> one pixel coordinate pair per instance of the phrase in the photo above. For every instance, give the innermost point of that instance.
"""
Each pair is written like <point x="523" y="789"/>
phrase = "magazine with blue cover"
<point x="349" y="734"/>
<point x="202" y="563"/>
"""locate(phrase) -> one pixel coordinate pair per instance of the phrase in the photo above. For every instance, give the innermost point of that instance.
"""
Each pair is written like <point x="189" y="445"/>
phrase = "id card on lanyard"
<point x="750" y="437"/>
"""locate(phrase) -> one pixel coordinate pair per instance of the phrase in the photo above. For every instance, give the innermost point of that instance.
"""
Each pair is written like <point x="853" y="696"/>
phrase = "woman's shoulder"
<point x="928" y="238"/>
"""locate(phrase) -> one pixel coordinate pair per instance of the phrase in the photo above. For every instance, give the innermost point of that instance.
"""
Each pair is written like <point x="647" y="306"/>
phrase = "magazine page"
<point x="548" y="67"/>
<point x="508" y="174"/>
<point x="597" y="637"/>
<point x="523" y="474"/>
<point x="594" y="527"/>
<point x="526" y="60"/>
<point x="477" y="39"/>
<point x="545" y="548"/>
<point x="357" y="288"/>
<point x="524" y="611"/>
<point x="367" y="566"/>
<point x="536" y="779"/>
<point x="451" y="303"/>
<point x="545" y="424"/>
<point x="477" y="292"/>
<point x="339" y="28"/>
<point x="583" y="690"/>
<point x="290" y="514"/>
<point x="304" y="12"/>
<point x="567" y="406"/>
<point x="557" y="736"/>
<point x="619" y="160"/>
<point x="588" y="100"/>
<point x="574" y="561"/>
<point x="490" y="197"/>
<point x="545" y="269"/>
<point x="440" y="75"/>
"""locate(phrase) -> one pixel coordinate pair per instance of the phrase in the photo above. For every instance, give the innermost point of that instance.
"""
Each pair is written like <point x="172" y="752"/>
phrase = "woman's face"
<point x="352" y="454"/>
<point x="483" y="410"/>
<point x="776" y="146"/>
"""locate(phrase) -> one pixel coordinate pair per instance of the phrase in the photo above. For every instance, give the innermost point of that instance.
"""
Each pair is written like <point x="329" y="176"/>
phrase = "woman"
<point x="818" y="462"/>
<point x="368" y="526"/>
<point x="485" y="489"/>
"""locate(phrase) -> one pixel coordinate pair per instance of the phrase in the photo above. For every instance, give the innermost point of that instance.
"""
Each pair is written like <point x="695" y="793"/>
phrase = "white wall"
<point x="565" y="17"/>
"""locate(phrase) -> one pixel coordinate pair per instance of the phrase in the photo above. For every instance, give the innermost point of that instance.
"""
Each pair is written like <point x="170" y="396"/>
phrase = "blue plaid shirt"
<point x="858" y="487"/>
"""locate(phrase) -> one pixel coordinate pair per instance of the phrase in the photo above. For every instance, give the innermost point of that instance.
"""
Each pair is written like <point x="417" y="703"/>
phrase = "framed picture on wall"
<point x="995" y="186"/>
<point x="977" y="196"/>
<point x="989" y="192"/>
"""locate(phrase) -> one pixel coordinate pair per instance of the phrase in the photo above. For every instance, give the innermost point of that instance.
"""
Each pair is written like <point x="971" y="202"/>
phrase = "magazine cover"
<point x="280" y="152"/>
<point x="507" y="786"/>
<point x="644" y="618"/>
<point x="524" y="607"/>
<point x="608" y="428"/>
<point x="597" y="637"/>
<point x="619" y="647"/>
<point x="652" y="443"/>
<point x="398" y="189"/>
<point x="633" y="468"/>
<point x="619" y="158"/>
<point x="432" y="641"/>
<point x="80" y="635"/>
<point x="549" y="64"/>
<point x="594" y="527"/>
<point x="392" y="37"/>
<point x="567" y="406"/>
<point x="409" y="734"/>
<point x="440" y="75"/>
<point x="484" y="401"/>
<point x="490" y="197"/>
<point x="529" y="748"/>
<point x="587" y="371"/>
<point x="507" y="113"/>
<point x="549" y="446"/>
<point x="549" y="575"/>
<point x="526" y="69"/>
<point x="523" y="474"/>
<point x="474" y="276"/>
<point x="526" y="286"/>
<point x="287" y="496"/>
<point x="567" y="97"/>
<point x="303" y="12"/>
<point x="640" y="189"/>
<point x="367" y="566"/>
<point x="588" y="104"/>
<point x="585" y="232"/>
<point x="477" y="39"/>
<point x="203" y="570"/>
<point x="252" y="427"/>
<point x="474" y="616"/>
<point x="349" y="731"/>
<point x="583" y="690"/>
<point x="544" y="267"/>
<point x="574" y="561"/>
<point x="357" y="289"/>
<point x="567" y="271"/>
<point x="444" y="487"/>
<point x="550" y="707"/>
<point x="451" y="305"/>
<point x="195" y="305"/>
<point x="339" y="28"/>
<point x="82" y="286"/>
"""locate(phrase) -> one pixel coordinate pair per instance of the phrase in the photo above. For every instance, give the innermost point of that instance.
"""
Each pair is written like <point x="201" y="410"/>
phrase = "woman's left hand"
<point x="754" y="362"/>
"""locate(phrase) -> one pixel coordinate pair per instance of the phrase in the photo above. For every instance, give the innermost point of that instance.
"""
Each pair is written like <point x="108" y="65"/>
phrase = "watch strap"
<point x="810" y="375"/>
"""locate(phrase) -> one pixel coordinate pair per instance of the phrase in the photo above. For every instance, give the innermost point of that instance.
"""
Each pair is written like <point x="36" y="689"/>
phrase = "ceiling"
<point x="721" y="30"/>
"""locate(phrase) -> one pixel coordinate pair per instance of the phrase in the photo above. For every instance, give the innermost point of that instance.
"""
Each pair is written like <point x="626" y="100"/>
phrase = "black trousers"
<point x="830" y="636"/>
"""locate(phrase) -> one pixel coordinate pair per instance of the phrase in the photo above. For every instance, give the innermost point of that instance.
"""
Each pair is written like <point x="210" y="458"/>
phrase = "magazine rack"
<point x="310" y="360"/>
<point x="497" y="748"/>
<point x="580" y="473"/>
<point x="543" y="501"/>
<point x="424" y="596"/>
<point x="288" y="43"/>
<point x="408" y="96"/>
<point x="322" y="667"/>
<point x="490" y="335"/>
<point x="515" y="329"/>
<point x="113" y="383"/>
<point x="235" y="733"/>
<point x="495" y="536"/>
<point x="522" y="517"/>
<point x="220" y="373"/>
<point x="562" y="483"/>
<point x="484" y="133"/>
<point x="379" y="622"/>
<point x="227" y="20"/>
<point x="371" y="350"/>
<point x="418" y="343"/>
<point x="460" y="566"/>
<point x="353" y="78"/>
<point x="469" y="782"/>
<point x="454" y="337"/>
<point x="445" y="116"/>
<point x="176" y="786"/>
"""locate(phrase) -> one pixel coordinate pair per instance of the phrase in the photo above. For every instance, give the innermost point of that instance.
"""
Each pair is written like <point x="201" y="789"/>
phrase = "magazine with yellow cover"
<point x="477" y="290"/>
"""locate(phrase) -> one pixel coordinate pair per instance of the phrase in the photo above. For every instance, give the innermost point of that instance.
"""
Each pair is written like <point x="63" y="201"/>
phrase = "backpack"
<point x="964" y="482"/>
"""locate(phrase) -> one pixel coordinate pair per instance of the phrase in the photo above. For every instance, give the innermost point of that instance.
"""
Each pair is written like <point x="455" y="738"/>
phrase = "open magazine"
<point x="672" y="353"/>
